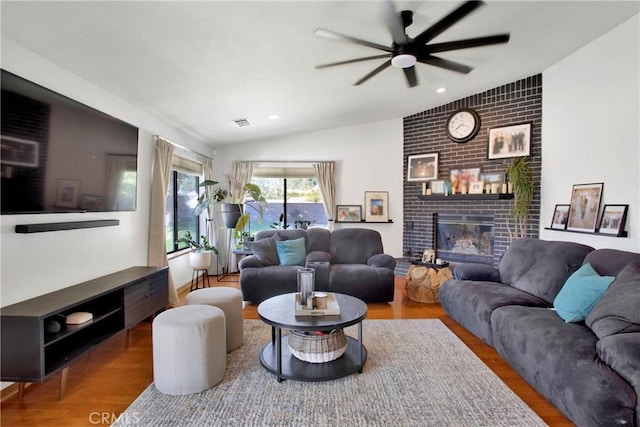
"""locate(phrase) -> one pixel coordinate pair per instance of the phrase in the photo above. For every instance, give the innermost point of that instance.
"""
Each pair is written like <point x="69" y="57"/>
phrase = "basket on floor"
<point x="317" y="348"/>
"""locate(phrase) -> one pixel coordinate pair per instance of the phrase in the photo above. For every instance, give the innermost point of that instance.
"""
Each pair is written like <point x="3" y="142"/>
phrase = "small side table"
<point x="423" y="283"/>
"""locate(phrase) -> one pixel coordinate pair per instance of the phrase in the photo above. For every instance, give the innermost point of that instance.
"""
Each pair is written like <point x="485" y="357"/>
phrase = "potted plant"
<point x="519" y="174"/>
<point x="200" y="256"/>
<point x="232" y="205"/>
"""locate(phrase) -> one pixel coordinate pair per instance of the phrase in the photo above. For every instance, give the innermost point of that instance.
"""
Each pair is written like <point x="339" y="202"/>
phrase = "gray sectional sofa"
<point x="590" y="370"/>
<point x="349" y="261"/>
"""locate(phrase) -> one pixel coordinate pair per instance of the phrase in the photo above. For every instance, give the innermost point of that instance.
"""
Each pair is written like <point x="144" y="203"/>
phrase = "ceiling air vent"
<point x="242" y="122"/>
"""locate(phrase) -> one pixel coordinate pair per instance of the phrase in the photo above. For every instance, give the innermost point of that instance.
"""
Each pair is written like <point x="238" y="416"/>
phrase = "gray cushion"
<point x="560" y="361"/>
<point x="541" y="267"/>
<point x="618" y="311"/>
<point x="621" y="353"/>
<point x="477" y="272"/>
<point x="265" y="250"/>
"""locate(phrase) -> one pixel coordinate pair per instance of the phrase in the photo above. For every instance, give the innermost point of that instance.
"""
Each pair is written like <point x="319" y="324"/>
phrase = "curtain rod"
<point x="287" y="161"/>
<point x="183" y="147"/>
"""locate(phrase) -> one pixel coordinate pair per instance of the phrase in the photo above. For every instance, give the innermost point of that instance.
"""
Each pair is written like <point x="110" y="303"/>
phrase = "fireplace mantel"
<point x="483" y="196"/>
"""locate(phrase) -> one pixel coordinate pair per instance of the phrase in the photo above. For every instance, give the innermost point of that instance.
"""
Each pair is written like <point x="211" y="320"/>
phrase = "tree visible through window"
<point x="292" y="202"/>
<point x="182" y="197"/>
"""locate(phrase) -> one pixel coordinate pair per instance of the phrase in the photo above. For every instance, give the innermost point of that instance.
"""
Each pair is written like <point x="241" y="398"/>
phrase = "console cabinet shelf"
<point x="118" y="301"/>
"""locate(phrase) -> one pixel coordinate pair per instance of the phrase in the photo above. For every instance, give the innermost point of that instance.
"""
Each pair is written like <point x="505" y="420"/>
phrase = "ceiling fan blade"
<point x="373" y="73"/>
<point x="446" y="64"/>
<point x="464" y="44"/>
<point x="351" y="61"/>
<point x="394" y="23"/>
<point x="410" y="74"/>
<point x="446" y="22"/>
<point x="321" y="32"/>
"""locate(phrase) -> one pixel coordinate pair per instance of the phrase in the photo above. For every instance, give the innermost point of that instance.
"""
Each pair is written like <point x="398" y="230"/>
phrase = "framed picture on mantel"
<point x="376" y="205"/>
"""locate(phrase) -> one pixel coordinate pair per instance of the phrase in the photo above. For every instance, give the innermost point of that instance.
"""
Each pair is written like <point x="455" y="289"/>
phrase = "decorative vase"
<point x="200" y="260"/>
<point x="306" y="283"/>
<point x="230" y="214"/>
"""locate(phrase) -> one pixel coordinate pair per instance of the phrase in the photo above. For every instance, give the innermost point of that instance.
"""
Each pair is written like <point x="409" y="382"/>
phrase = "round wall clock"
<point x="463" y="125"/>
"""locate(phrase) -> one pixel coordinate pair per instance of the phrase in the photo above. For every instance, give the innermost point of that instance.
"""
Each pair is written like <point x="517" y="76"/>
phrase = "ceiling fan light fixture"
<point x="403" y="60"/>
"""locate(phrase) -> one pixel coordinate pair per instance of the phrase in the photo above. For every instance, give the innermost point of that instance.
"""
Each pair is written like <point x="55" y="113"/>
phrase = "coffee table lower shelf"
<point x="298" y="370"/>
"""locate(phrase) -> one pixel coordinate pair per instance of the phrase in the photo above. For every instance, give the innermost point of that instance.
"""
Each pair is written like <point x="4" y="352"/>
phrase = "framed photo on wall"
<point x="422" y="167"/>
<point x="560" y="216"/>
<point x="376" y="205"/>
<point x="19" y="152"/>
<point x="437" y="186"/>
<point x="67" y="195"/>
<point x="463" y="178"/>
<point x="509" y="141"/>
<point x="584" y="208"/>
<point x="613" y="219"/>
<point x="349" y="213"/>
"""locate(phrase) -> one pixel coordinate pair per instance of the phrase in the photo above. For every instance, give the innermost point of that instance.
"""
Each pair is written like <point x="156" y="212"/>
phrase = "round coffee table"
<point x="275" y="356"/>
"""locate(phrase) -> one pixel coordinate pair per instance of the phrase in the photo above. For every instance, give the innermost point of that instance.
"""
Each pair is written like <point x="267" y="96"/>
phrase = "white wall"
<point x="591" y="131"/>
<point x="35" y="264"/>
<point x="368" y="158"/>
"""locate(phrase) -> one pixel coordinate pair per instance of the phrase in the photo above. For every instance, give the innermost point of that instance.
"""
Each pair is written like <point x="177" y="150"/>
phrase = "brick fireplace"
<point x="424" y="133"/>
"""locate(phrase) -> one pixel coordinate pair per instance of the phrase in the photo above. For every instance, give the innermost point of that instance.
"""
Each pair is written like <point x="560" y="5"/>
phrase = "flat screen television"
<point x="59" y="155"/>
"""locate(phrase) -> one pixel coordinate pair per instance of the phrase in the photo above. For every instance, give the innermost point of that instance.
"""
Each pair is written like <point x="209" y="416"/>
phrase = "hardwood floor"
<point x="103" y="384"/>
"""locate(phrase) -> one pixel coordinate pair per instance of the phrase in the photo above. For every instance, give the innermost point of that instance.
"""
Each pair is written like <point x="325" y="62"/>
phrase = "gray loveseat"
<point x="590" y="370"/>
<point x="348" y="261"/>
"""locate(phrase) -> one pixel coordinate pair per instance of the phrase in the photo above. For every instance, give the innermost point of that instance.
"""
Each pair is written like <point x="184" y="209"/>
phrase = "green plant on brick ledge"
<point x="520" y="176"/>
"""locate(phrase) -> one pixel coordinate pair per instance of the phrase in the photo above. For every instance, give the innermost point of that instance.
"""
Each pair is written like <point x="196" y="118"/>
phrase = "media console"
<point x="37" y="344"/>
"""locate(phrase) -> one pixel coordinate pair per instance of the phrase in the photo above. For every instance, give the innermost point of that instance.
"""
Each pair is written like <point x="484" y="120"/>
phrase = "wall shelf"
<point x="483" y="196"/>
<point x="622" y="234"/>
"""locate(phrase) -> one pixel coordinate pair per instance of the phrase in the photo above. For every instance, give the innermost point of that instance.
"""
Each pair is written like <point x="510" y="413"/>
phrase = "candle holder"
<point x="306" y="283"/>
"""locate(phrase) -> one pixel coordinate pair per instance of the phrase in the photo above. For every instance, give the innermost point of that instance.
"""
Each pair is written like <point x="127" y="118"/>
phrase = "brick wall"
<point x="424" y="132"/>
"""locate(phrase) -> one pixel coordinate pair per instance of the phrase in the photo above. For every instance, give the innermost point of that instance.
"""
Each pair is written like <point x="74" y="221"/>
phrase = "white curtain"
<point x="242" y="172"/>
<point x="325" y="174"/>
<point x="157" y="221"/>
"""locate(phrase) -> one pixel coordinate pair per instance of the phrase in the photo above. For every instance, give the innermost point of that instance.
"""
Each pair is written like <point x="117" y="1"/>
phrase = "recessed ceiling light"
<point x="441" y="89"/>
<point x="273" y="117"/>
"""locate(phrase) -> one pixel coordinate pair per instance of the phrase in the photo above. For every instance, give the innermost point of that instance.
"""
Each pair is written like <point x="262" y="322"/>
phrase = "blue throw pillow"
<point x="580" y="293"/>
<point x="292" y="252"/>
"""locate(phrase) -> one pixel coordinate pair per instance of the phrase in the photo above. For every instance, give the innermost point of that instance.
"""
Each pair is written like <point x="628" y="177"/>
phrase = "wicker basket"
<point x="313" y="348"/>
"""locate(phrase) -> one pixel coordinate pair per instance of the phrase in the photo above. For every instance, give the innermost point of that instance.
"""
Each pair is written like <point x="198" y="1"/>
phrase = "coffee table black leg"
<point x="279" y="353"/>
<point x="273" y="335"/>
<point x="360" y="345"/>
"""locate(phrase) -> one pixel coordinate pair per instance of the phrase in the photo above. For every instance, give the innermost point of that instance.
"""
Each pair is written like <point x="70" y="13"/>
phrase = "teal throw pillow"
<point x="292" y="252"/>
<point x="580" y="293"/>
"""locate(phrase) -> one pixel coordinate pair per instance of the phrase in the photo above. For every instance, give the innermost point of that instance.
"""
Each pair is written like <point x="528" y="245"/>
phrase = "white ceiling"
<point x="199" y="65"/>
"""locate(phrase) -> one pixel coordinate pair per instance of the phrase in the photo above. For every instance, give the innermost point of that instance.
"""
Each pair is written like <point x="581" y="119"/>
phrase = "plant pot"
<point x="200" y="260"/>
<point x="230" y="214"/>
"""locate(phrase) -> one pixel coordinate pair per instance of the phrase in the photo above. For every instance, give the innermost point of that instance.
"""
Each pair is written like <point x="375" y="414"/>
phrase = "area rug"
<point x="418" y="373"/>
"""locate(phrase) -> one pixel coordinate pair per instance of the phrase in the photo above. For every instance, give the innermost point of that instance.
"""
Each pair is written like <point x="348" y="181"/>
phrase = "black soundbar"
<point x="58" y="226"/>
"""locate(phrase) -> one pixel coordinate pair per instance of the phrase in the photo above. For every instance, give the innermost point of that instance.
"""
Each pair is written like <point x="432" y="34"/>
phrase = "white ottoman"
<point x="230" y="301"/>
<point x="189" y="349"/>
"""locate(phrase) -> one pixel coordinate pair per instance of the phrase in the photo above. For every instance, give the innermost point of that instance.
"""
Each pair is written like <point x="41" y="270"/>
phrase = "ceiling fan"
<point x="405" y="51"/>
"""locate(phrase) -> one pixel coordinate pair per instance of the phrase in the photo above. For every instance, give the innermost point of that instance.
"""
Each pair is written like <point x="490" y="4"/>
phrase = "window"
<point x="182" y="197"/>
<point x="293" y="202"/>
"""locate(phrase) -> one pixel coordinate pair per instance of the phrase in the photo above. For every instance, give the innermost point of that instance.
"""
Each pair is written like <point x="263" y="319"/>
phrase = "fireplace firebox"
<point x="464" y="238"/>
